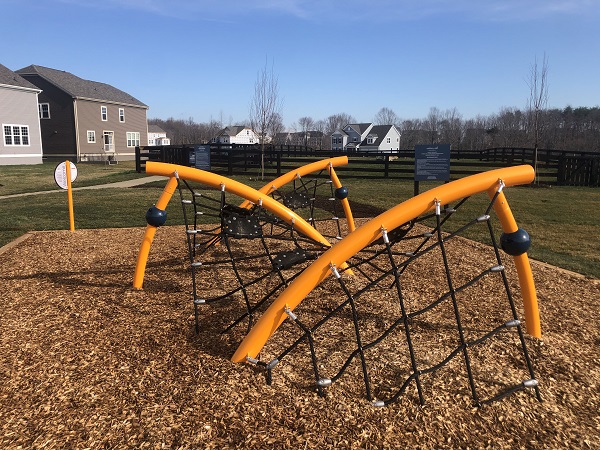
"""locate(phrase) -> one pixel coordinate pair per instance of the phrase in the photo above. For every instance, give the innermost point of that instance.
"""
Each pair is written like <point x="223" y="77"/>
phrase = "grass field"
<point x="562" y="221"/>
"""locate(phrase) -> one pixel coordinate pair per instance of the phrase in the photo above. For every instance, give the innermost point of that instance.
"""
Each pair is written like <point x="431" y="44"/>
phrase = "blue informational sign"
<point x="202" y="157"/>
<point x="432" y="162"/>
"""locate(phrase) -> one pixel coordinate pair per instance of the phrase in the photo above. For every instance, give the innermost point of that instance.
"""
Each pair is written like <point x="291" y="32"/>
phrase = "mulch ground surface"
<point x="86" y="361"/>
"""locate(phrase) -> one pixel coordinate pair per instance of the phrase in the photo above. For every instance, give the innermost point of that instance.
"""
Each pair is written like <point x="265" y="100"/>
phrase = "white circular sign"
<point x="60" y="174"/>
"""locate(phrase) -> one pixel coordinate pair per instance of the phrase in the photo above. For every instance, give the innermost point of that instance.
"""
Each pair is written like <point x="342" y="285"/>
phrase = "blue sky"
<point x="199" y="59"/>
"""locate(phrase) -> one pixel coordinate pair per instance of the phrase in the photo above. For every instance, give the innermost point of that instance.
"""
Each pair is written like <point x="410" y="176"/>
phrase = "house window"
<point x="369" y="140"/>
<point x="133" y="139"/>
<point x="389" y="140"/>
<point x="44" y="110"/>
<point x="354" y="139"/>
<point x="121" y="115"/>
<point x="91" y="137"/>
<point x="104" y="113"/>
<point x="16" y="135"/>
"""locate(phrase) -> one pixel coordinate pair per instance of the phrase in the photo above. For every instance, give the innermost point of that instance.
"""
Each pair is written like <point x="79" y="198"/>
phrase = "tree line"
<point x="569" y="128"/>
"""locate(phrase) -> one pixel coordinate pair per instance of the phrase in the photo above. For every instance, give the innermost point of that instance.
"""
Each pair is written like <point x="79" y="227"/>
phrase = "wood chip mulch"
<point x="86" y="361"/>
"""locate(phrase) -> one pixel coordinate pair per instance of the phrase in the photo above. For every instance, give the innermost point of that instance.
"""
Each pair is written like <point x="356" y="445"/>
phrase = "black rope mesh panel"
<point x="240" y="258"/>
<point x="314" y="200"/>
<point x="419" y="315"/>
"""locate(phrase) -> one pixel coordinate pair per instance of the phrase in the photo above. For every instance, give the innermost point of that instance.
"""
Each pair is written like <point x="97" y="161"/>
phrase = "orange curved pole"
<point x="239" y="189"/>
<point x="530" y="303"/>
<point x="138" y="278"/>
<point x="314" y="274"/>
<point x="345" y="204"/>
<point x="140" y="267"/>
<point x="290" y="176"/>
<point x="216" y="181"/>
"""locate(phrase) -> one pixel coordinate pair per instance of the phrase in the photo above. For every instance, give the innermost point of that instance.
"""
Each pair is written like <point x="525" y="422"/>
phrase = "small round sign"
<point x="60" y="174"/>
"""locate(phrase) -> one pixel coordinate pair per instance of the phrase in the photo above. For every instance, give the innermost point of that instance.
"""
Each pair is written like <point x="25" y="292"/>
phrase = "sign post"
<point x="64" y="174"/>
<point x="432" y="163"/>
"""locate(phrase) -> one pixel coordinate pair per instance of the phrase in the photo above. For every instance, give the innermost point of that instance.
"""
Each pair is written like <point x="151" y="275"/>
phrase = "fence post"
<point x="278" y="164"/>
<point x="386" y="171"/>
<point x="229" y="163"/>
<point x="138" y="165"/>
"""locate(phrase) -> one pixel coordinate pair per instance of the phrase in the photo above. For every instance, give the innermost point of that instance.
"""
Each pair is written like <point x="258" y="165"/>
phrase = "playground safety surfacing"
<point x="87" y="361"/>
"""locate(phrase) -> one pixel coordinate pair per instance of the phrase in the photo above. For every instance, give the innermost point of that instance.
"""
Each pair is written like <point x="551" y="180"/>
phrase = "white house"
<point x="236" y="135"/>
<point x="157" y="136"/>
<point x="20" y="120"/>
<point x="381" y="138"/>
<point x="366" y="137"/>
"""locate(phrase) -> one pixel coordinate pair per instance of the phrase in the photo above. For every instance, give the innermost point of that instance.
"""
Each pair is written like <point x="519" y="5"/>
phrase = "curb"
<point x="16" y="242"/>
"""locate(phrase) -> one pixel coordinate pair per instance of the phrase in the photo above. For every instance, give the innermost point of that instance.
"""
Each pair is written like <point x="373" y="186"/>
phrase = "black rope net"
<point x="419" y="314"/>
<point x="240" y="258"/>
<point x="315" y="200"/>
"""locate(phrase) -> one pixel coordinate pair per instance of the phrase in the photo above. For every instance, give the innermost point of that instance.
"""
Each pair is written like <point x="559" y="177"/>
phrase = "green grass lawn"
<point x="563" y="222"/>
<point x="40" y="177"/>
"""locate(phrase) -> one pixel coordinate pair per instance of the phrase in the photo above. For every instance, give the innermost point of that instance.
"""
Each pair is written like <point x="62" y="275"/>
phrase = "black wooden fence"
<point x="554" y="166"/>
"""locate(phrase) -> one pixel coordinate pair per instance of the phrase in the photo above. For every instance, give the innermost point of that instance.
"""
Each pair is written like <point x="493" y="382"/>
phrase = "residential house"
<point x="21" y="139"/>
<point x="366" y="137"/>
<point x="350" y="137"/>
<point x="157" y="136"/>
<point x="238" y="134"/>
<point x="86" y="120"/>
<point x="381" y="138"/>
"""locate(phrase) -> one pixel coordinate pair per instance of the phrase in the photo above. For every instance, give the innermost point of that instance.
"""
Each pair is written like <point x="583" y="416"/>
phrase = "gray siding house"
<point x="21" y="139"/>
<point x="350" y="137"/>
<point x="86" y="120"/>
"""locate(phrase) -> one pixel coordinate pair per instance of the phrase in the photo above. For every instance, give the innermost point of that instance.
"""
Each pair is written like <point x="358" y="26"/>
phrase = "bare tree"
<point x="411" y="131"/>
<point x="277" y="127"/>
<point x="452" y="128"/>
<point x="306" y="124"/>
<point x="338" y="121"/>
<point x="432" y="124"/>
<point x="386" y="116"/>
<point x="264" y="109"/>
<point x="538" y="101"/>
<point x="320" y="126"/>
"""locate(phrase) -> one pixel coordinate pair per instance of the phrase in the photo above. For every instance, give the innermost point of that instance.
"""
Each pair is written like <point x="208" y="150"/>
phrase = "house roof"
<point x="379" y="132"/>
<point x="155" y="129"/>
<point x="232" y="131"/>
<point x="359" y="127"/>
<point x="80" y="88"/>
<point x="11" y="78"/>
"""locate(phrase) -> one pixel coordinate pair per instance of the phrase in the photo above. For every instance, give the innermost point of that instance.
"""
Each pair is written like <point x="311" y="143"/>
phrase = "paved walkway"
<point x="119" y="184"/>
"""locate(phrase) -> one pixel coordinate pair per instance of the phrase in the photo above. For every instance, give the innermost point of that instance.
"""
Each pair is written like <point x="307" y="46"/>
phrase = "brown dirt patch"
<point x="88" y="362"/>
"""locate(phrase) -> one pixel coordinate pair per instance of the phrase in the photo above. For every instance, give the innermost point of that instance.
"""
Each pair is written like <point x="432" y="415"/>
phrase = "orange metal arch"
<point x="389" y="220"/>
<point x="251" y="196"/>
<point x="290" y="176"/>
